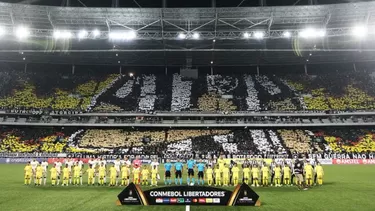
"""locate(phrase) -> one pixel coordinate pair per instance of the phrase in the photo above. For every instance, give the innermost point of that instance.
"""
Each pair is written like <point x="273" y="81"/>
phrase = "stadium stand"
<point x="182" y="143"/>
<point x="332" y="91"/>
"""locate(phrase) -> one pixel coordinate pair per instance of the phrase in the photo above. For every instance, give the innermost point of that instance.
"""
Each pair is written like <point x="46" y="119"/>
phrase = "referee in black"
<point x="298" y="171"/>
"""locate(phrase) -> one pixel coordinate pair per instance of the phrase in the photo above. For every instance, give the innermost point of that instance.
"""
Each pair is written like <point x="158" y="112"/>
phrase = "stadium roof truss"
<point x="158" y="31"/>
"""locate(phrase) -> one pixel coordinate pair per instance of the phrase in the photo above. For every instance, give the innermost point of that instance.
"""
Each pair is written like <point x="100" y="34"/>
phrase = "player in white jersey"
<point x="34" y="163"/>
<point x="79" y="163"/>
<point x="155" y="163"/>
<point x="126" y="162"/>
<point x="58" y="166"/>
<point x="92" y="163"/>
<point x="117" y="164"/>
<point x="70" y="164"/>
<point x="44" y="165"/>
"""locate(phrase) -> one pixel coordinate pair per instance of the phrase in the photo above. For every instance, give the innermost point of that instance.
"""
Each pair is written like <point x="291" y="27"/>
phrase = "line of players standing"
<point x="71" y="171"/>
<point x="254" y="172"/>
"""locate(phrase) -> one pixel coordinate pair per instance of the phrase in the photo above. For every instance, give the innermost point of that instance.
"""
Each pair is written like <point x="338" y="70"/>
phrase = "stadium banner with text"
<point x="353" y="161"/>
<point x="86" y="160"/>
<point x="242" y="195"/>
<point x="18" y="160"/>
<point x="343" y="156"/>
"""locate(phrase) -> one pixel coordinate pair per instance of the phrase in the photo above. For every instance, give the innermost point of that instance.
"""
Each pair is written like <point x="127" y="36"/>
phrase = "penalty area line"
<point x="187" y="208"/>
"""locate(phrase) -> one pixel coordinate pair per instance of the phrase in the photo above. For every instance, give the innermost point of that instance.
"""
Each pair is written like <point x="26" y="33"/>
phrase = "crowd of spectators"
<point x="180" y="143"/>
<point x="181" y="93"/>
<point x="36" y="92"/>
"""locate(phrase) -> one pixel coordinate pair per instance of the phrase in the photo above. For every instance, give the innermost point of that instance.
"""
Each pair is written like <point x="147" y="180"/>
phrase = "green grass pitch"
<point x="347" y="187"/>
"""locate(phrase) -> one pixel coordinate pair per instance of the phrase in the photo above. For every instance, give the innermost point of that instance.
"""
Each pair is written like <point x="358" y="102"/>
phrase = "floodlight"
<point x="95" y="33"/>
<point x="196" y="35"/>
<point x="258" y="35"/>
<point x="212" y="62"/>
<point x="246" y="35"/>
<point x="2" y="31"/>
<point x="22" y="32"/>
<point x="130" y="35"/>
<point x="82" y="34"/>
<point x="181" y="36"/>
<point x="312" y="33"/>
<point x="359" y="31"/>
<point x="62" y="34"/>
<point x="287" y="34"/>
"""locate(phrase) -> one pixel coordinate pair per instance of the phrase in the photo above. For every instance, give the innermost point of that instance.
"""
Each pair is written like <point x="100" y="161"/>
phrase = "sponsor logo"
<point x="209" y="200"/>
<point x="180" y="200"/>
<point x="216" y="200"/>
<point x="165" y="200"/>
<point x="159" y="200"/>
<point x="173" y="200"/>
<point x="187" y="200"/>
<point x="195" y="200"/>
<point x="202" y="200"/>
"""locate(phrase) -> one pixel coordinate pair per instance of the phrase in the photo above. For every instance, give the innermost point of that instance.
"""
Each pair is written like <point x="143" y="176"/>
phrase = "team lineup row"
<point x="219" y="173"/>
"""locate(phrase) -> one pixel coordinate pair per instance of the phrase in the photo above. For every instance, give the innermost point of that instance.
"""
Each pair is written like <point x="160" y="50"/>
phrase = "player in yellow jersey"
<point x="319" y="173"/>
<point x="102" y="173"/>
<point x="277" y="176"/>
<point x="154" y="176"/>
<point x="217" y="175"/>
<point x="76" y="174"/>
<point x="246" y="174"/>
<point x="112" y="175"/>
<point x="136" y="172"/>
<point x="286" y="174"/>
<point x="145" y="174"/>
<point x="66" y="175"/>
<point x="226" y="175"/>
<point x="308" y="171"/>
<point x="90" y="175"/>
<point x="265" y="174"/>
<point x="53" y="175"/>
<point x="125" y="172"/>
<point x="255" y="173"/>
<point x="209" y="175"/>
<point x="39" y="174"/>
<point x="235" y="174"/>
<point x="28" y="172"/>
<point x="221" y="163"/>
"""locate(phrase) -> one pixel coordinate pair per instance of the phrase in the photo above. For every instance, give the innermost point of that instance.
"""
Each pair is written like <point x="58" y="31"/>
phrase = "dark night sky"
<point x="177" y="3"/>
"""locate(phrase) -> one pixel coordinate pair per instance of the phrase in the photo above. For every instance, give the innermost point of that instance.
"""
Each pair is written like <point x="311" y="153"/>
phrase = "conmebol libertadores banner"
<point x="242" y="195"/>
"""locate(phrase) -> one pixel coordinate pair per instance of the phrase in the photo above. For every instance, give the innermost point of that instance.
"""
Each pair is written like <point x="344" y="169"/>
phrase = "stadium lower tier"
<point x="183" y="143"/>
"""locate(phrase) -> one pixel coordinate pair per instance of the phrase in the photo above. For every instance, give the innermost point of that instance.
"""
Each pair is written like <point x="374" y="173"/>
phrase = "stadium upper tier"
<point x="183" y="143"/>
<point x="336" y="91"/>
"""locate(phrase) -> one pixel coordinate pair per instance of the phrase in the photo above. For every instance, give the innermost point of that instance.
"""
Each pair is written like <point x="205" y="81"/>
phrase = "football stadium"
<point x="187" y="105"/>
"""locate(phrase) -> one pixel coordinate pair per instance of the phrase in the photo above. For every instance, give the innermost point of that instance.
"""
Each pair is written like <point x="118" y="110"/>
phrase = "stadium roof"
<point x="211" y="36"/>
